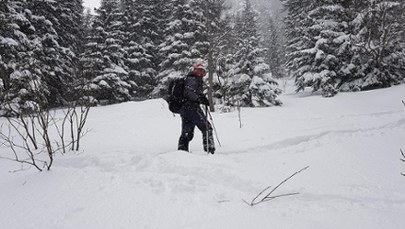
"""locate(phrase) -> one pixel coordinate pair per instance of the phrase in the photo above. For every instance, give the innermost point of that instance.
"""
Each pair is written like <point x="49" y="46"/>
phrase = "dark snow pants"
<point x="195" y="117"/>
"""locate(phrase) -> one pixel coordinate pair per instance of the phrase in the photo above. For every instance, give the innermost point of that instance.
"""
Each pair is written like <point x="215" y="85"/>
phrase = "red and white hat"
<point x="200" y="65"/>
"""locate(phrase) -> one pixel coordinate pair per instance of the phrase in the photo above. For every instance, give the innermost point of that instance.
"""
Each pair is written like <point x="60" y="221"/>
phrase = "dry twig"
<point x="269" y="196"/>
<point x="403" y="160"/>
<point x="402" y="152"/>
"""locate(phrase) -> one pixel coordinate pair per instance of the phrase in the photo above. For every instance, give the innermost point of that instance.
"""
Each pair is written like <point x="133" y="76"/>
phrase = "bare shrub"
<point x="35" y="137"/>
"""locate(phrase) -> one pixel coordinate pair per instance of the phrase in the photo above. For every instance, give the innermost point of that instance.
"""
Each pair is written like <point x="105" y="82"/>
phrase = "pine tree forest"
<point x="55" y="52"/>
<point x="345" y="45"/>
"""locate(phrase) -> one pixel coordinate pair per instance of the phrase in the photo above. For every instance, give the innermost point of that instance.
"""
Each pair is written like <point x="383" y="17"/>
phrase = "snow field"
<point x="131" y="176"/>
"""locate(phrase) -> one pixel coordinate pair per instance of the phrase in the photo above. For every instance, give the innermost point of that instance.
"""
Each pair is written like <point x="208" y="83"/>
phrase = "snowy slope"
<point x="131" y="176"/>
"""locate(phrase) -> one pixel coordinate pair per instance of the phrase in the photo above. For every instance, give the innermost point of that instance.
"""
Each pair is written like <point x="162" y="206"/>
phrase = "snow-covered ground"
<point x="129" y="174"/>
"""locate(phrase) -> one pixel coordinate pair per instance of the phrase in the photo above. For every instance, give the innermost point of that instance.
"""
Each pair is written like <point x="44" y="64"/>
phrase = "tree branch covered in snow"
<point x="345" y="45"/>
<point x="267" y="197"/>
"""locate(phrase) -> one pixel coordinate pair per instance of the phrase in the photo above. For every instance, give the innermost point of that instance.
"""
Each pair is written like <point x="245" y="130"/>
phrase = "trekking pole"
<point x="206" y="127"/>
<point x="213" y="126"/>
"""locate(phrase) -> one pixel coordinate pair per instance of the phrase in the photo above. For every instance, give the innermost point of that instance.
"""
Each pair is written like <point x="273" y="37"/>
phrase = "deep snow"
<point x="129" y="174"/>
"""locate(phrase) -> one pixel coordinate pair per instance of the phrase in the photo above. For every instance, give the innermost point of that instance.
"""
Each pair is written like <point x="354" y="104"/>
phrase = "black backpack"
<point x="175" y="96"/>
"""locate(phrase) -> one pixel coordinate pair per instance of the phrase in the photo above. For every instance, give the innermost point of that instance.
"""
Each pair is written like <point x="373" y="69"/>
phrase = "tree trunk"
<point x="211" y="69"/>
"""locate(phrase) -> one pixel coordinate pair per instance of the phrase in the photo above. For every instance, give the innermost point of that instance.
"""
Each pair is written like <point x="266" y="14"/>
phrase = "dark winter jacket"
<point x="193" y="90"/>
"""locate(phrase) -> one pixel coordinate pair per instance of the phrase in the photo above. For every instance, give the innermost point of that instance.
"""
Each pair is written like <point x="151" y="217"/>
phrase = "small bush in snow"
<point x="34" y="137"/>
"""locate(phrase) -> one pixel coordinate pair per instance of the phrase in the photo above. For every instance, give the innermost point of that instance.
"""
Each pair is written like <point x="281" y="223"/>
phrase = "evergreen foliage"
<point x="378" y="39"/>
<point x="149" y="37"/>
<point x="345" y="45"/>
<point x="248" y="80"/>
<point x="70" y="31"/>
<point x="103" y="62"/>
<point x="178" y="49"/>
<point x="38" y="63"/>
<point x="272" y="41"/>
<point x="125" y="51"/>
<point x="14" y="27"/>
<point x="214" y="39"/>
<point x="29" y="44"/>
<point x="52" y="53"/>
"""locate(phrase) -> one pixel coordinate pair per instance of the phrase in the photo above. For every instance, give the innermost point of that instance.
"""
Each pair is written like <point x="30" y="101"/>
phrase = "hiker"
<point x="191" y="113"/>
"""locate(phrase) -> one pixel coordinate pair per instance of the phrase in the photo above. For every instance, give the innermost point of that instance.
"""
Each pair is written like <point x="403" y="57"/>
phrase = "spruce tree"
<point x="329" y="55"/>
<point x="134" y="51"/>
<point x="103" y="59"/>
<point x="212" y="37"/>
<point x="12" y="24"/>
<point x="319" y="48"/>
<point x="272" y="41"/>
<point x="250" y="81"/>
<point x="15" y="47"/>
<point x="71" y="35"/>
<point x="179" y="50"/>
<point x="145" y="37"/>
<point x="91" y="59"/>
<point x="300" y="40"/>
<point x="70" y="18"/>
<point x="28" y="70"/>
<point x="377" y="35"/>
<point x="52" y="60"/>
<point x="345" y="45"/>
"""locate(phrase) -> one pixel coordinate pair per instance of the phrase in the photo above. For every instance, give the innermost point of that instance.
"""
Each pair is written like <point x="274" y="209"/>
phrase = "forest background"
<point x="55" y="53"/>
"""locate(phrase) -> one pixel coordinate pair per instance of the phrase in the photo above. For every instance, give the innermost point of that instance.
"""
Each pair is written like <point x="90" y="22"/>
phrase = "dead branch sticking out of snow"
<point x="27" y="135"/>
<point x="402" y="152"/>
<point x="403" y="160"/>
<point x="268" y="196"/>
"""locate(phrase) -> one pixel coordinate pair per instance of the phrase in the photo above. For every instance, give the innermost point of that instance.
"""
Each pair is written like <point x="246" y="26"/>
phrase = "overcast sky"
<point x="91" y="3"/>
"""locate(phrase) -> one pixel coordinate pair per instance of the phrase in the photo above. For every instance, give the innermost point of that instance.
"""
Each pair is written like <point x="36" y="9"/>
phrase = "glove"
<point x="204" y="101"/>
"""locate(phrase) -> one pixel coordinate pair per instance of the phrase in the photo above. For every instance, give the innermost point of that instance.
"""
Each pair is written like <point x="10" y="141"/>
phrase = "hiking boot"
<point x="183" y="147"/>
<point x="211" y="150"/>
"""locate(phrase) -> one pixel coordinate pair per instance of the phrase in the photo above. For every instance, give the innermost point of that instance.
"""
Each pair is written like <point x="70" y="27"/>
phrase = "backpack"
<point x="175" y="97"/>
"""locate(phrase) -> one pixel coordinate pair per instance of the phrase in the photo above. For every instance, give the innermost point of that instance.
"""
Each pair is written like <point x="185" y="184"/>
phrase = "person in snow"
<point x="191" y="113"/>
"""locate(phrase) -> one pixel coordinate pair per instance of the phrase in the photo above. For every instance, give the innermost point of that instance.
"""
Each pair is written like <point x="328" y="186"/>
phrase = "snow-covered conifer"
<point x="212" y="34"/>
<point x="181" y="36"/>
<point x="144" y="36"/>
<point x="249" y="78"/>
<point x="51" y="63"/>
<point x="378" y="45"/>
<point x="345" y="45"/>
<point x="103" y="58"/>
<point x="17" y="57"/>
<point x="70" y="33"/>
<point x="272" y="41"/>
<point x="329" y="56"/>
